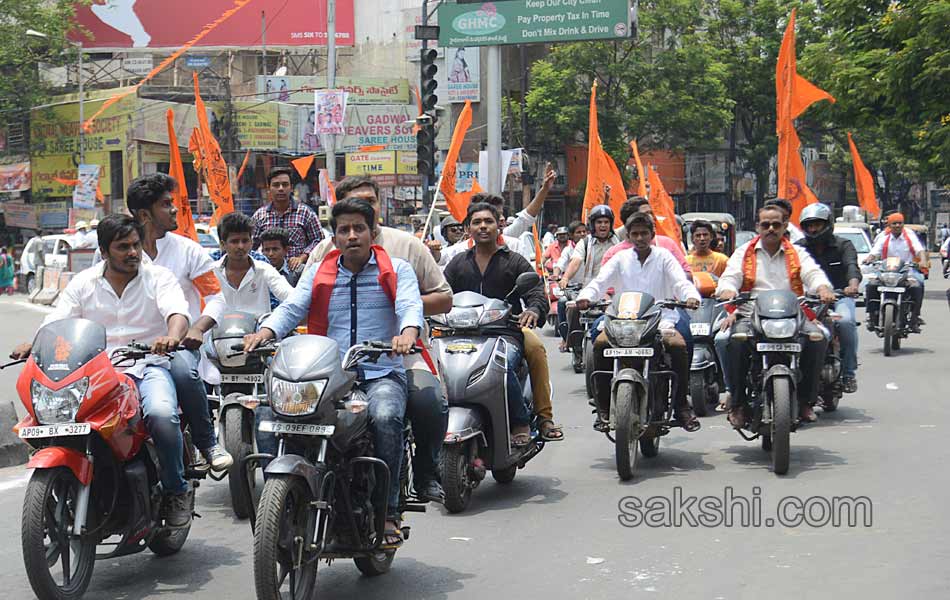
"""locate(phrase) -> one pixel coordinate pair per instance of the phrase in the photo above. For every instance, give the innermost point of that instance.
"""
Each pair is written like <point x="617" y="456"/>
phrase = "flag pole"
<point x="425" y="228"/>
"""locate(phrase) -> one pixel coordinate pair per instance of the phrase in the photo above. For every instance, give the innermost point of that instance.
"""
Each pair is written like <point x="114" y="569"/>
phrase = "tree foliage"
<point x="20" y="85"/>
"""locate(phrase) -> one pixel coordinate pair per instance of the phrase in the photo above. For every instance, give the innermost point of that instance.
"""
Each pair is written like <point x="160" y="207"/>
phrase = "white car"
<point x="862" y="244"/>
<point x="55" y="252"/>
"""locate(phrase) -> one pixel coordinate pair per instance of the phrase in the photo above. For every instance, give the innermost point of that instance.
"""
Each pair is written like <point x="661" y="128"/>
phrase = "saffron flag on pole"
<point x="664" y="211"/>
<point x="447" y="183"/>
<point x="186" y="222"/>
<point x="601" y="169"/>
<point x="327" y="191"/>
<point x="641" y="174"/>
<point x="209" y="160"/>
<point x="463" y="199"/>
<point x="863" y="182"/>
<point x="793" y="95"/>
<point x="247" y="155"/>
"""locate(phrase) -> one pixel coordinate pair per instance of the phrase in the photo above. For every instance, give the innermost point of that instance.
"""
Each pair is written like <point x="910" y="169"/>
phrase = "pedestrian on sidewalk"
<point x="6" y="272"/>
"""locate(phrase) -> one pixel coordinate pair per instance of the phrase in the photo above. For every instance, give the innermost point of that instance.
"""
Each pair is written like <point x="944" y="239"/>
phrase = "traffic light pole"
<point x="494" y="120"/>
<point x="426" y="200"/>
<point x="331" y="82"/>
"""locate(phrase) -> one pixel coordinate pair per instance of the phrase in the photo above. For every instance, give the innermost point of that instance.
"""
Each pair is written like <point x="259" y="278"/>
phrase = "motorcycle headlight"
<point x="296" y="399"/>
<point x="890" y="279"/>
<point x="462" y="318"/>
<point x="490" y="316"/>
<point x="57" y="406"/>
<point x="626" y="332"/>
<point x="779" y="328"/>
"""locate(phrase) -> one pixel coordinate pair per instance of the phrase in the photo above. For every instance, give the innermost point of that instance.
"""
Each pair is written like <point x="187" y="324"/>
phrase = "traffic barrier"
<point x="50" y="289"/>
<point x="13" y="451"/>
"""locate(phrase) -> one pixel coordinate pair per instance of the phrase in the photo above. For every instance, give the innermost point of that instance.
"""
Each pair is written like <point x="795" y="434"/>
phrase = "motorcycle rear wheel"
<point x="697" y="393"/>
<point x="628" y="420"/>
<point x="781" y="424"/>
<point x="48" y="507"/>
<point x="589" y="366"/>
<point x="375" y="564"/>
<point x="455" y="478"/>
<point x="284" y="504"/>
<point x="890" y="330"/>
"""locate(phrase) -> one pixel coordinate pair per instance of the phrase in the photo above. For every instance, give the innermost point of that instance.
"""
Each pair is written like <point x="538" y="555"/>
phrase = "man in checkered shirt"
<point x="295" y="217"/>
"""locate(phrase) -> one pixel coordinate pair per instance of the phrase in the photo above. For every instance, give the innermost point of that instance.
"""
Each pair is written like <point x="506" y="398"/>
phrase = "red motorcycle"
<point x="94" y="492"/>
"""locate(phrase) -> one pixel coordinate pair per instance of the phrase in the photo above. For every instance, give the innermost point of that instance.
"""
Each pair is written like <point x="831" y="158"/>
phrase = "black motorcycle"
<point x="889" y="314"/>
<point x="642" y="382"/>
<point x="319" y="491"/>
<point x="705" y="372"/>
<point x="772" y="381"/>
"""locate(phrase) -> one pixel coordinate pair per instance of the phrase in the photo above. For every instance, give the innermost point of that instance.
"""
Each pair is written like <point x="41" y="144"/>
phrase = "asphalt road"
<point x="557" y="530"/>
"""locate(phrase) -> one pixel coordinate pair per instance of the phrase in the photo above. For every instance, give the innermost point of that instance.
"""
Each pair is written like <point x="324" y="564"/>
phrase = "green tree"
<point x="20" y="84"/>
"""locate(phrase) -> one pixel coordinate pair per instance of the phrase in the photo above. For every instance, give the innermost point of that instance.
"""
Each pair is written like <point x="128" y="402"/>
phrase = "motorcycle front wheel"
<point x="697" y="393"/>
<point x="58" y="565"/>
<point x="890" y="329"/>
<point x="284" y="522"/>
<point x="241" y="475"/>
<point x="781" y="424"/>
<point x="628" y="421"/>
<point x="455" y="477"/>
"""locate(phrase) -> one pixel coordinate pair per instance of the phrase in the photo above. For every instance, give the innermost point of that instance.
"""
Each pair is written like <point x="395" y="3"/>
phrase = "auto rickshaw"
<point x="923" y="234"/>
<point x="723" y="223"/>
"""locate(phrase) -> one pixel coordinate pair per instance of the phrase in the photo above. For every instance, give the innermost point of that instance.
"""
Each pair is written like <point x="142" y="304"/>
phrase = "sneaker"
<point x="850" y="385"/>
<point x="431" y="491"/>
<point x="808" y="414"/>
<point x="218" y="458"/>
<point x="178" y="508"/>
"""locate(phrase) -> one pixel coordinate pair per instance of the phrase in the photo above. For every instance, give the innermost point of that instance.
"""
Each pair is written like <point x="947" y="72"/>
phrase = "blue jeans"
<point x="517" y="408"/>
<point x="562" y="318"/>
<point x="193" y="397"/>
<point x="160" y="408"/>
<point x="387" y="409"/>
<point x="428" y="410"/>
<point x="848" y="336"/>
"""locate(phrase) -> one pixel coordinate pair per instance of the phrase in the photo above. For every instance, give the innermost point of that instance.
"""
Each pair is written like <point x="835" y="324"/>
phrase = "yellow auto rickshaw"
<point x="723" y="223"/>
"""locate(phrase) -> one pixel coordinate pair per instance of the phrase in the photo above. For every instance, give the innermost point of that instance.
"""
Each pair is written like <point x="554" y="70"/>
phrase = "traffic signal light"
<point x="425" y="146"/>
<point x="427" y="82"/>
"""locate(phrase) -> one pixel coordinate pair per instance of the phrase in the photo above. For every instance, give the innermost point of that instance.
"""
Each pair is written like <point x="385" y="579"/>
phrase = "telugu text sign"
<point x="299" y="89"/>
<point x="123" y="24"/>
<point x="388" y="126"/>
<point x="532" y="21"/>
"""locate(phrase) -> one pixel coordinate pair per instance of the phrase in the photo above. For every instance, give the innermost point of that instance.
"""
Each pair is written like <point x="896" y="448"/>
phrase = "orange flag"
<point x="537" y="250"/>
<point x="375" y="148"/>
<point x="863" y="182"/>
<point x="664" y="210"/>
<point x="463" y="199"/>
<point x="793" y="95"/>
<point x="642" y="179"/>
<point x="74" y="182"/>
<point x="208" y="159"/>
<point x="327" y="191"/>
<point x="415" y="127"/>
<point x="186" y="222"/>
<point x="601" y="169"/>
<point x="240" y="172"/>
<point x="447" y="184"/>
<point x="238" y="5"/>
<point x="302" y="165"/>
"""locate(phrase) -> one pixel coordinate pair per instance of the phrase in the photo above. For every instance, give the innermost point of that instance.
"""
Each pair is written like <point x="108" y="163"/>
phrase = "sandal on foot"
<point x="688" y="421"/>
<point x="392" y="537"/>
<point x="736" y="418"/>
<point x="520" y="440"/>
<point x="550" y="432"/>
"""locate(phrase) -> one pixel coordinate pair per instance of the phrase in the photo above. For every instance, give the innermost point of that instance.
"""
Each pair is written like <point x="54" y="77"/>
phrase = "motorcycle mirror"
<point x="525" y="283"/>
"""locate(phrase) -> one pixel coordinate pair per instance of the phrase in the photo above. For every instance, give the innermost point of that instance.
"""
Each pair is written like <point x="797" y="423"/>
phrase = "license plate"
<point x="763" y="347"/>
<point x="586" y="320"/>
<point x="699" y="328"/>
<point x="896" y="290"/>
<point x="296" y="428"/>
<point x="242" y="378"/>
<point x="460" y="348"/>
<point x="58" y="430"/>
<point x="618" y="352"/>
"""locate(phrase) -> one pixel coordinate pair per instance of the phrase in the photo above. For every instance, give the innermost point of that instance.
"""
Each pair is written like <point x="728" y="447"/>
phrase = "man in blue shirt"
<point x="361" y="295"/>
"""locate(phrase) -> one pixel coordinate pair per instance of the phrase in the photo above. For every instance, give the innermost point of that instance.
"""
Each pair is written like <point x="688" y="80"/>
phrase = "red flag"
<point x="863" y="182"/>
<point x="793" y="95"/>
<point x="641" y="175"/>
<point x="601" y="169"/>
<point x="186" y="222"/>
<point x="664" y="210"/>
<point x="447" y="184"/>
<point x="209" y="160"/>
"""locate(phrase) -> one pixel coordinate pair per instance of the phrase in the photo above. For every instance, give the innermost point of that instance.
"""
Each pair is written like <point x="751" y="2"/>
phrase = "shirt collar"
<point x="339" y="261"/>
<point x="290" y="207"/>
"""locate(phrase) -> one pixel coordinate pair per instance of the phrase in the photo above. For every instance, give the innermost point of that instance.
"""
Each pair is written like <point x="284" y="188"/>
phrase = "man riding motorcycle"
<point x="490" y="269"/>
<point x="838" y="258"/>
<point x="655" y="271"/>
<point x="359" y="293"/>
<point x="903" y="243"/>
<point x="770" y="262"/>
<point x="142" y="302"/>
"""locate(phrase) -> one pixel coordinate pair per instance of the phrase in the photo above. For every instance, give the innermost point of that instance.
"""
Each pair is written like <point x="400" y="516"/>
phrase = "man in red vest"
<point x="359" y="293"/>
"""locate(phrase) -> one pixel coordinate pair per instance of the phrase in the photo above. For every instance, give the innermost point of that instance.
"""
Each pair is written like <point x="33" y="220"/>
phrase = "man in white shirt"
<point x="770" y="262"/>
<point x="650" y="270"/>
<point x="793" y="232"/>
<point x="149" y="199"/>
<point x="142" y="303"/>
<point x="899" y="241"/>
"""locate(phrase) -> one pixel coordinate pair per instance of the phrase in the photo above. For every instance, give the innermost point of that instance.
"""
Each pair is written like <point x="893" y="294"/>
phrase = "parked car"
<point x="55" y="252"/>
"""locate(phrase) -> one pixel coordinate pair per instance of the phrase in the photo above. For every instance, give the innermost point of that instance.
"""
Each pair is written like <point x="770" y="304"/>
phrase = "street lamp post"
<point x="82" y="133"/>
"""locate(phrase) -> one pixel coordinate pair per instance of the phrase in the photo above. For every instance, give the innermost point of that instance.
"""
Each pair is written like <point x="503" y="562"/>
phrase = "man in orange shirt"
<point x="703" y="259"/>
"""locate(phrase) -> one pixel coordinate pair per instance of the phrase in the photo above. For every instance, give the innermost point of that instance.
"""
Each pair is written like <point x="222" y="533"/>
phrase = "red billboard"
<point x="145" y="24"/>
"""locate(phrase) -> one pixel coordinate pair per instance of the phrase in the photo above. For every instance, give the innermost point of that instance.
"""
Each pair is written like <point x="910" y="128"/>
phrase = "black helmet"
<point x="599" y="212"/>
<point x="817" y="212"/>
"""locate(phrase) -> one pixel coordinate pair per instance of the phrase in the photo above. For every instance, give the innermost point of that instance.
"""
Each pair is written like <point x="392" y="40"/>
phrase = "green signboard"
<point x="530" y="21"/>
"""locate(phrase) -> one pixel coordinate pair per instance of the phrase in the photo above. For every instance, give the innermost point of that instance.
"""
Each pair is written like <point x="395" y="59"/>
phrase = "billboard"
<point x="124" y="24"/>
<point x="15" y="177"/>
<point x="298" y="89"/>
